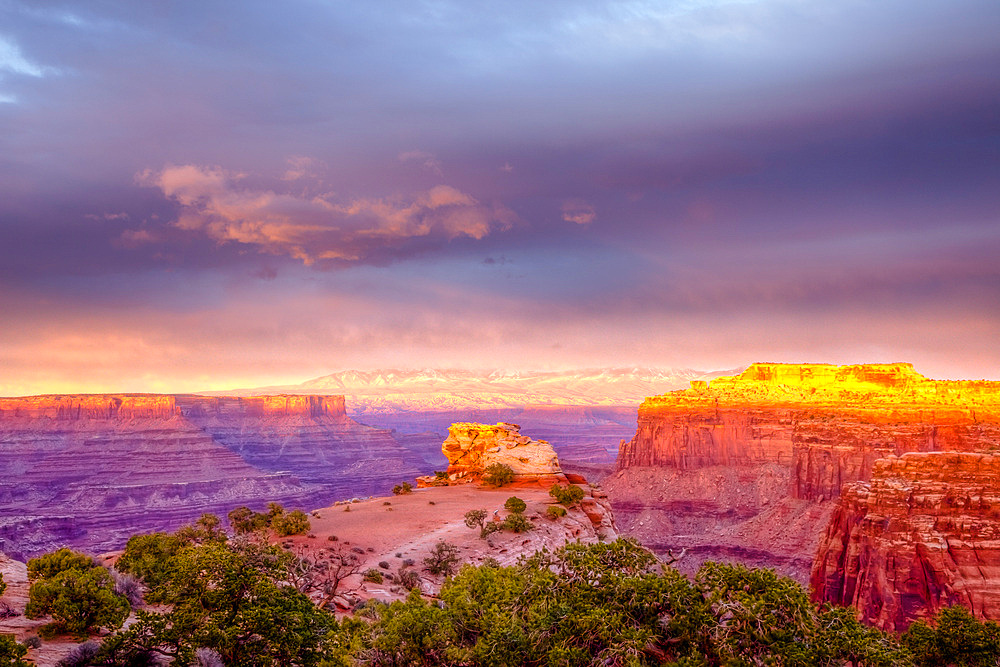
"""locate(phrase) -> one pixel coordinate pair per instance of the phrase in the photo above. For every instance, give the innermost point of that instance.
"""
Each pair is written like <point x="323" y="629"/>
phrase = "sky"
<point x="202" y="195"/>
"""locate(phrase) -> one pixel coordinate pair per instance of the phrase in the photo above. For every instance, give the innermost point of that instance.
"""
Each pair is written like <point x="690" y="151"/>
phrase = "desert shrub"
<point x="475" y="518"/>
<point x="81" y="655"/>
<point x="555" y="511"/>
<point x="372" y="575"/>
<point x="244" y="520"/>
<point x="51" y="564"/>
<point x="489" y="528"/>
<point x="408" y="579"/>
<point x="498" y="474"/>
<point x="3" y="584"/>
<point x="515" y="505"/>
<point x="332" y="538"/>
<point x="402" y="489"/>
<point x="516" y="523"/>
<point x="294" y="523"/>
<point x="151" y="558"/>
<point x="33" y="641"/>
<point x="207" y="528"/>
<point x="568" y="496"/>
<point x="237" y="599"/>
<point x="442" y="559"/>
<point x="441" y="474"/>
<point x="79" y="601"/>
<point x="128" y="587"/>
<point x="955" y="637"/>
<point x="11" y="652"/>
<point x="408" y="562"/>
<point x="384" y="564"/>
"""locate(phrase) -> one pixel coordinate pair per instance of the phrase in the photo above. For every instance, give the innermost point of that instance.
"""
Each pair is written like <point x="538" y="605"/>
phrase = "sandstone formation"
<point x="471" y="448"/>
<point x="923" y="534"/>
<point x="785" y="433"/>
<point x="88" y="471"/>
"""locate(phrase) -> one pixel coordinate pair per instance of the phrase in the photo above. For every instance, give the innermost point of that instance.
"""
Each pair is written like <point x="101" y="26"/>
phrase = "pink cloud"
<point x="312" y="228"/>
<point x="578" y="211"/>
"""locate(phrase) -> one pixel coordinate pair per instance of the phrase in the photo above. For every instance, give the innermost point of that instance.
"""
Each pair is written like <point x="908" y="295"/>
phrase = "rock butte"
<point x="752" y="455"/>
<point x="923" y="534"/>
<point x="471" y="448"/>
<point x="89" y="470"/>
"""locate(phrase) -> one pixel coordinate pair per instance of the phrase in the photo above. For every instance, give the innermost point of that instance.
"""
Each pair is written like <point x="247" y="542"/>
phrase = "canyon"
<point x="747" y="467"/>
<point x="921" y="535"/>
<point x="88" y="471"/>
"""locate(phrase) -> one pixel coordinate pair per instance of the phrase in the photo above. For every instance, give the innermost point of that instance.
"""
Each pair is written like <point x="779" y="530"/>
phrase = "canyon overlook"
<point x="90" y="470"/>
<point x="743" y="467"/>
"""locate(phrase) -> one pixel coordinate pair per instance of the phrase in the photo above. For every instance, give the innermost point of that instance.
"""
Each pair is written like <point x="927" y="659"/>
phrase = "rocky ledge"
<point x="923" y="534"/>
<point x="472" y="448"/>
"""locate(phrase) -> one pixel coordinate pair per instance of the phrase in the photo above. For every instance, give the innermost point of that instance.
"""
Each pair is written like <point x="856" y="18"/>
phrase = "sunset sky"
<point x="202" y="195"/>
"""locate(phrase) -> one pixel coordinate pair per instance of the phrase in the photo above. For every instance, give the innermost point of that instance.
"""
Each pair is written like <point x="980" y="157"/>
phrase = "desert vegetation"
<point x="240" y="601"/>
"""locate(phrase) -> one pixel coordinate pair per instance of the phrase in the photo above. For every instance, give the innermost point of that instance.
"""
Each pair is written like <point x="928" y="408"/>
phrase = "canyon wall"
<point x="775" y="442"/>
<point x="923" y="534"/>
<point x="88" y="471"/>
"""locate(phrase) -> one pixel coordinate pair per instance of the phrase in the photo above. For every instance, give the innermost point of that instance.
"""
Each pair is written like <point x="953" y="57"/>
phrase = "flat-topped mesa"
<point x="471" y="448"/>
<point x="282" y="405"/>
<point x="922" y="535"/>
<point x="89" y="407"/>
<point x="827" y="423"/>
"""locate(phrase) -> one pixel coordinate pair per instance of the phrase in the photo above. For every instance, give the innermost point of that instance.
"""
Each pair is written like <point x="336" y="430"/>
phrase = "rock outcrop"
<point x="88" y="471"/>
<point x="819" y="425"/>
<point x="471" y="448"/>
<point x="923" y="534"/>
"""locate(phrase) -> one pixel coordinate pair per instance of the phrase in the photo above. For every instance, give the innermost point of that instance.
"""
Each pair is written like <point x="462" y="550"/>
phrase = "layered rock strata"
<point x="819" y="426"/>
<point x="472" y="448"/>
<point x="88" y="471"/>
<point x="923" y="534"/>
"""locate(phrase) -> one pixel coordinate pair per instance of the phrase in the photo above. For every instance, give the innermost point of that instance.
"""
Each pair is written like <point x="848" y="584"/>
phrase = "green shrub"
<point x="475" y="518"/>
<point x="51" y="564"/>
<point x="244" y="520"/>
<point x="372" y="575"/>
<point x="11" y="652"/>
<point x="516" y="523"/>
<point x="3" y="584"/>
<point x="442" y="559"/>
<point x="555" y="511"/>
<point x="402" y="489"/>
<point x="293" y="523"/>
<point x="151" y="558"/>
<point x="441" y="474"/>
<point x="568" y="496"/>
<point x="408" y="579"/>
<point x="498" y="474"/>
<point x="79" y="601"/>
<point x="515" y="505"/>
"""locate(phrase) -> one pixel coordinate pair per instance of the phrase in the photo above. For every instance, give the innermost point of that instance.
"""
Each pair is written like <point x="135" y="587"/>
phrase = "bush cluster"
<point x="581" y="605"/>
<point x="498" y="474"/>
<point x="566" y="495"/>
<point x="244" y="520"/>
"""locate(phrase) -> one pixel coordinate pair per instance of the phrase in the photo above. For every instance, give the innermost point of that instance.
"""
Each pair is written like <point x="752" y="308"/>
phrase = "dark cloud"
<point x="694" y="162"/>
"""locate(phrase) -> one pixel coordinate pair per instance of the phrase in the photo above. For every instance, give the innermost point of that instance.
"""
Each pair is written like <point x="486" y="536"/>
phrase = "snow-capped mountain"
<point x="395" y="390"/>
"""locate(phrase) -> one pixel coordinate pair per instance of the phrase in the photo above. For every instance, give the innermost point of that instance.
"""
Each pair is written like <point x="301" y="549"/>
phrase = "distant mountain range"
<point x="385" y="391"/>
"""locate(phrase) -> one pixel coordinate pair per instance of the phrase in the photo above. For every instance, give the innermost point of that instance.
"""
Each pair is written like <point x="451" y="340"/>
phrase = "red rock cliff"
<point x="828" y="423"/>
<point x="89" y="407"/>
<point x="719" y="467"/>
<point x="923" y="534"/>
